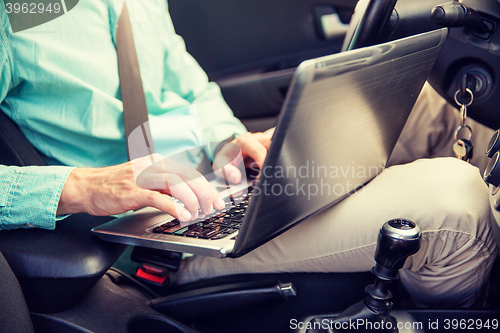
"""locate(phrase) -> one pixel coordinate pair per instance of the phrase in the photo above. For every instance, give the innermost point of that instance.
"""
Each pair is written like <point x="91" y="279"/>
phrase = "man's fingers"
<point x="164" y="203"/>
<point x="263" y="138"/>
<point x="229" y="159"/>
<point x="229" y="154"/>
<point x="198" y="184"/>
<point x="202" y="190"/>
<point x="231" y="173"/>
<point x="181" y="191"/>
<point x="219" y="202"/>
<point x="252" y="147"/>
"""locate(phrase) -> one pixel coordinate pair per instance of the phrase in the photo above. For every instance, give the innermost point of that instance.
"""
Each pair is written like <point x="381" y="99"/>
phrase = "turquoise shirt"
<point x="60" y="84"/>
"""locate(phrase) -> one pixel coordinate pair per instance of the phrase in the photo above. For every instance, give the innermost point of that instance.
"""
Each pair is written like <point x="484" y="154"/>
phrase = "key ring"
<point x="471" y="98"/>
<point x="463" y="107"/>
<point x="463" y="147"/>
<point x="462" y="127"/>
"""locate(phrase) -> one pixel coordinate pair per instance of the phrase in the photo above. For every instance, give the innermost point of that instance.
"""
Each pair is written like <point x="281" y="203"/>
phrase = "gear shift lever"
<point x="398" y="239"/>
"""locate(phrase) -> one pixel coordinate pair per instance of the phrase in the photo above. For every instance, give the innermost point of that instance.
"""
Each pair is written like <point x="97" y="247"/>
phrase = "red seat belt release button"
<point x="141" y="273"/>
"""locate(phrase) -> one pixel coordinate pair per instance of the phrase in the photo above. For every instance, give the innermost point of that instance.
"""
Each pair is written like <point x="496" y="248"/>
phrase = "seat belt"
<point x="154" y="263"/>
<point x="135" y="111"/>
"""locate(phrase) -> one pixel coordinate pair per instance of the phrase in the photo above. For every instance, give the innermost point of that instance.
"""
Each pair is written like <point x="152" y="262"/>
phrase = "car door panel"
<point x="250" y="48"/>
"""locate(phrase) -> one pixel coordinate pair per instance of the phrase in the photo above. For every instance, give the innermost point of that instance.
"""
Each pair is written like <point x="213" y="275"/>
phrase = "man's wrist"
<point x="74" y="193"/>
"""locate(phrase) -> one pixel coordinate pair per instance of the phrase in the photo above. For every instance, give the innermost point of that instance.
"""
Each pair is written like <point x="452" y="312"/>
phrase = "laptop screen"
<point x="342" y="117"/>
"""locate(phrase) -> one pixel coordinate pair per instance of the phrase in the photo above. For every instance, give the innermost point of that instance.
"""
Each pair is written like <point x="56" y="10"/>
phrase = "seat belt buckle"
<point x="152" y="275"/>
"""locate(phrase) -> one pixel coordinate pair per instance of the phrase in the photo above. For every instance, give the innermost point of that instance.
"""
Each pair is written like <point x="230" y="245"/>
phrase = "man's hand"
<point x="253" y="148"/>
<point x="136" y="184"/>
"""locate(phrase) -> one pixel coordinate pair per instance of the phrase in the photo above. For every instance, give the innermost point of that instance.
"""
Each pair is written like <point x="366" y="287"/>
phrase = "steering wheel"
<point x="367" y="23"/>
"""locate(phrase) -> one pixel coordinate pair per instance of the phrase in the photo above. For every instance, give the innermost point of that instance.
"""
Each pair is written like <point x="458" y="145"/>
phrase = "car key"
<point x="463" y="149"/>
<point x="459" y="149"/>
<point x="468" y="150"/>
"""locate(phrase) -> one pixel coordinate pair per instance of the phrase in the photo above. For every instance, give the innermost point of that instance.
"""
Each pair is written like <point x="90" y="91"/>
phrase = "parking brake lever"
<point x="194" y="305"/>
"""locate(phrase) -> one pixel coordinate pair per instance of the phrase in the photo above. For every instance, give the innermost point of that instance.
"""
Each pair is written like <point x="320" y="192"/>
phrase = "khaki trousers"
<point x="446" y="197"/>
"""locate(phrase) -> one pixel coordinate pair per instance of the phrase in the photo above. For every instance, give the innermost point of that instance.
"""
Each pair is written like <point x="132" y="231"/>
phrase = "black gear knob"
<point x="398" y="239"/>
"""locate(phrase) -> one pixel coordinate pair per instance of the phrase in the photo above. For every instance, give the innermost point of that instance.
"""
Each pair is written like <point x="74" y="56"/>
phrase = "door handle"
<point x="332" y="26"/>
<point x="329" y="24"/>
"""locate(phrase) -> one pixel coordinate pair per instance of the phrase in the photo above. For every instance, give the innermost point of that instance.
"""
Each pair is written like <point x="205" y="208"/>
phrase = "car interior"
<point x="68" y="280"/>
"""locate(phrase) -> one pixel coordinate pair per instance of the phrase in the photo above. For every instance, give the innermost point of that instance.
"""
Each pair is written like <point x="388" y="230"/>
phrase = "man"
<point x="82" y="84"/>
<point x="61" y="86"/>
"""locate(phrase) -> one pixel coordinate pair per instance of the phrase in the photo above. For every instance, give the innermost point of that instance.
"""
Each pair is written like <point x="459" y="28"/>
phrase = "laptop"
<point x="339" y="123"/>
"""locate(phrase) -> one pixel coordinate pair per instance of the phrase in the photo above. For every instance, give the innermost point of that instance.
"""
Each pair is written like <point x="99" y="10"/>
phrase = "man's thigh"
<point x="437" y="194"/>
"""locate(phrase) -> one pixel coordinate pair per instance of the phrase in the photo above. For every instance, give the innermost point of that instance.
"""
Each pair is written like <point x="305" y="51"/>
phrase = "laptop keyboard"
<point x="217" y="225"/>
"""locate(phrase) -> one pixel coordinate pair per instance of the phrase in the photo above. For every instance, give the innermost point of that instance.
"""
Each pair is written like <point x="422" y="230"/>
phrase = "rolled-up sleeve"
<point x="29" y="196"/>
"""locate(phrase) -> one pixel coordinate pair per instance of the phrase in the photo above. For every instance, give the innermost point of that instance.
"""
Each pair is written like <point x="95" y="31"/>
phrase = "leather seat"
<point x="55" y="268"/>
<point x="14" y="314"/>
